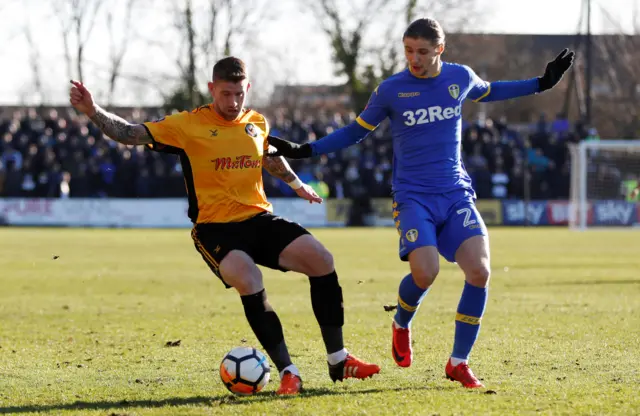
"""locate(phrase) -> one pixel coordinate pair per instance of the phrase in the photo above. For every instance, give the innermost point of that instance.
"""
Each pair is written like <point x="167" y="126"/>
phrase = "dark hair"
<point x="230" y="69"/>
<point x="425" y="28"/>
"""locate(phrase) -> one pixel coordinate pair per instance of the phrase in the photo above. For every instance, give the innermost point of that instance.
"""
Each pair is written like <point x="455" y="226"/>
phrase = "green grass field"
<point x="85" y="333"/>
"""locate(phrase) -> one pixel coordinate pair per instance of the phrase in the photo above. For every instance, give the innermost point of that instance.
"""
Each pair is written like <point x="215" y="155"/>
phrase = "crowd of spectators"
<point x="57" y="153"/>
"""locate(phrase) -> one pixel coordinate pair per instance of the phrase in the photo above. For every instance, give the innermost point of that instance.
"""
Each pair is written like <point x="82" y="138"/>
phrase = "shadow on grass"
<point x="212" y="401"/>
<point x="596" y="282"/>
<point x="576" y="283"/>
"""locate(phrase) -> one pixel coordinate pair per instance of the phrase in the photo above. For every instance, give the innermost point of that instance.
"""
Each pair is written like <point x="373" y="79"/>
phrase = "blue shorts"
<point x="444" y="221"/>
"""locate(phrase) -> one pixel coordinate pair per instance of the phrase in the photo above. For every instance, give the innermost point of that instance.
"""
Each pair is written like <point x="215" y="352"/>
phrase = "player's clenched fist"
<point x="81" y="99"/>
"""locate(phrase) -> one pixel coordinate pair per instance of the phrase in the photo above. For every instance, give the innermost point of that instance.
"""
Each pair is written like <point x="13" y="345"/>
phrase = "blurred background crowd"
<point x="59" y="154"/>
<point x="510" y="149"/>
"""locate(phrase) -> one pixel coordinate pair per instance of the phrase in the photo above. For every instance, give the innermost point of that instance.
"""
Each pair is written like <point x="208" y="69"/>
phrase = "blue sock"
<point x="470" y="311"/>
<point x="409" y="297"/>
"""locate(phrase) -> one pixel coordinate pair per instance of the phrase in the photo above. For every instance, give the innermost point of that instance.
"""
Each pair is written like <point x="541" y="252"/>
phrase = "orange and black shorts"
<point x="263" y="237"/>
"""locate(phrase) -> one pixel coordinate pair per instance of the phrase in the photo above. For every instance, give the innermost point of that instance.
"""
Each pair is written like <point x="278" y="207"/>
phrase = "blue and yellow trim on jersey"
<point x="395" y="214"/>
<point x="506" y="90"/>
<point x="364" y="124"/>
<point x="426" y="76"/>
<point x="483" y="95"/>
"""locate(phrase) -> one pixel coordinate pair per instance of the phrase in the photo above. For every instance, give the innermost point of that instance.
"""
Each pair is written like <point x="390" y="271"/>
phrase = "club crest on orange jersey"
<point x="251" y="130"/>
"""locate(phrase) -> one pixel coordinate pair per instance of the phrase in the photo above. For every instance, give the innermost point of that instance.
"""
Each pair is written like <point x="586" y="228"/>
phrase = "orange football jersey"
<point x="221" y="161"/>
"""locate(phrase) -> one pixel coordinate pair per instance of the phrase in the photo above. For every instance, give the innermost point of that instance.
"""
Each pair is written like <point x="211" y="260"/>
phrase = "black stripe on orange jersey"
<point x="187" y="172"/>
<point x="160" y="147"/>
<point x="191" y="187"/>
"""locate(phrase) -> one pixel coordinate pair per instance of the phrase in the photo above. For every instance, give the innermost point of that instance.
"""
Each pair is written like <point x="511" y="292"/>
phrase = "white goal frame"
<point x="579" y="200"/>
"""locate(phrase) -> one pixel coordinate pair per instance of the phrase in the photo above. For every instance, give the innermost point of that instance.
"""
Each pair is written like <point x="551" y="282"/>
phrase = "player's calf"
<point x="267" y="327"/>
<point x="473" y="258"/>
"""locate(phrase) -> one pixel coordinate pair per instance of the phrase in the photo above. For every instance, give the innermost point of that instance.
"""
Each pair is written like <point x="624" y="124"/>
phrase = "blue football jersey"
<point x="426" y="125"/>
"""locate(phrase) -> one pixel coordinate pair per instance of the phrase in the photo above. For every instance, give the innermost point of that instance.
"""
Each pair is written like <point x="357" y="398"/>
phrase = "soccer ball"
<point x="244" y="371"/>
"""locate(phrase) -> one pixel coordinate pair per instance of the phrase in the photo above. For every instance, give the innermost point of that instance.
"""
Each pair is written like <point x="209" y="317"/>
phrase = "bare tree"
<point x="191" y="55"/>
<point x="366" y="65"/>
<point x="231" y="25"/>
<point x="616" y="81"/>
<point x="347" y="44"/>
<point x="83" y="9"/>
<point x="77" y="20"/>
<point x="34" y="61"/>
<point x="61" y="12"/>
<point x="118" y="48"/>
<point x="209" y="41"/>
<point x="388" y="54"/>
<point x="187" y="94"/>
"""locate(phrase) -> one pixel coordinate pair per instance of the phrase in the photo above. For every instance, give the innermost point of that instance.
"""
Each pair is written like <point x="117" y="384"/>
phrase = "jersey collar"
<point x="427" y="76"/>
<point x="243" y="117"/>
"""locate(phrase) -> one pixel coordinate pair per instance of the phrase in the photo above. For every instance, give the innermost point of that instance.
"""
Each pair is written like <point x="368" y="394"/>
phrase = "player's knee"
<point x="239" y="271"/>
<point x="479" y="275"/>
<point x="246" y="283"/>
<point x="308" y="256"/>
<point x="320" y="261"/>
<point x="326" y="258"/>
<point x="425" y="274"/>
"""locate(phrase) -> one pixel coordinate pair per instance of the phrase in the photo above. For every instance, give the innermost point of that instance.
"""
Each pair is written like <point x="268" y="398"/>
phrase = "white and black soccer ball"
<point x="244" y="371"/>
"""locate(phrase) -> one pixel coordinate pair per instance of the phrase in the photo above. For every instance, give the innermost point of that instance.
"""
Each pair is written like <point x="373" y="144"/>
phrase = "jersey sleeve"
<point x="478" y="88"/>
<point x="376" y="111"/>
<point x="168" y="131"/>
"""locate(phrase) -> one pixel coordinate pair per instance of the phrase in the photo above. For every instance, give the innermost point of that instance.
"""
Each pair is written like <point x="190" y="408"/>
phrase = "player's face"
<point x="422" y="55"/>
<point x="228" y="97"/>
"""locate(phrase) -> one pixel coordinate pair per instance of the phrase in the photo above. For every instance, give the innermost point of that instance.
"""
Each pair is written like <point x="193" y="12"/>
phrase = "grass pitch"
<point x="85" y="316"/>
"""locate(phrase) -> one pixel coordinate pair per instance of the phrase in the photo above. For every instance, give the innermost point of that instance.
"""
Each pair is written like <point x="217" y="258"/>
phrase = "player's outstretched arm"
<point x="375" y="112"/>
<point x="339" y="139"/>
<point x="278" y="167"/>
<point x="119" y="129"/>
<point x="110" y="124"/>
<point x="281" y="147"/>
<point x="505" y="90"/>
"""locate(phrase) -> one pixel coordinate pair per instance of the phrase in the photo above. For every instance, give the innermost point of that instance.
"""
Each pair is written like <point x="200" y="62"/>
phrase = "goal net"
<point x="603" y="173"/>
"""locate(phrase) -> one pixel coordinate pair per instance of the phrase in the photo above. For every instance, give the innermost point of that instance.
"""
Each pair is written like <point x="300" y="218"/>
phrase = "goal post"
<point x="603" y="173"/>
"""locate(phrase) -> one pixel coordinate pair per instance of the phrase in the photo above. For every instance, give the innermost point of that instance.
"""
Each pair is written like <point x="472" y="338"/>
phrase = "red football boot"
<point x="290" y="384"/>
<point x="463" y="374"/>
<point x="352" y="367"/>
<point x="401" y="346"/>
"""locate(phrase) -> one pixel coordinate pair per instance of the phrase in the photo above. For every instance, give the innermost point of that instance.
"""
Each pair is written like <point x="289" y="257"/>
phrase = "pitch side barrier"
<point x="172" y="213"/>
